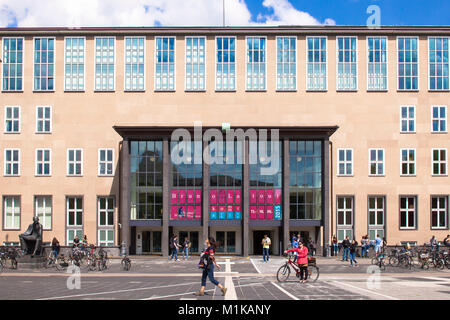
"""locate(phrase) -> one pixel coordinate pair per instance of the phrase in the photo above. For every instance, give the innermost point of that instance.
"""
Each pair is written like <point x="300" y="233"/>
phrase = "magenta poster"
<point x="237" y="196"/>
<point x="198" y="196"/>
<point x="213" y="208"/>
<point x="190" y="212"/>
<point x="269" y="196"/>
<point x="181" y="196"/>
<point x="198" y="212"/>
<point x="213" y="196"/>
<point x="190" y="196"/>
<point x="182" y="213"/>
<point x="221" y="208"/>
<point x="252" y="212"/>
<point x="261" y="196"/>
<point x="269" y="211"/>
<point x="173" y="196"/>
<point x="173" y="212"/>
<point x="252" y="196"/>
<point x="229" y="208"/>
<point x="222" y="196"/>
<point x="261" y="212"/>
<point x="277" y="196"/>
<point x="237" y="208"/>
<point x="230" y="196"/>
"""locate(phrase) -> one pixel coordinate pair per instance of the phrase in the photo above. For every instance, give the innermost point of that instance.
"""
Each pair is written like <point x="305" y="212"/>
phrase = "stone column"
<point x="326" y="196"/>
<point x="166" y="183"/>
<point x="205" y="194"/>
<point x="125" y="194"/>
<point x="286" y="200"/>
<point x="245" y="199"/>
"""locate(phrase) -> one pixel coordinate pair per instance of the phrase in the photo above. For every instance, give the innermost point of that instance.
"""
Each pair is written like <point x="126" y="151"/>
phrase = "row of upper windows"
<point x="225" y="68"/>
<point x="408" y="162"/>
<point x="407" y="119"/>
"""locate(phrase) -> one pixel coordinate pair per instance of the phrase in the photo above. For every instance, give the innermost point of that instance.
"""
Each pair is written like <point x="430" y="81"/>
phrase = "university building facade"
<point x="356" y="121"/>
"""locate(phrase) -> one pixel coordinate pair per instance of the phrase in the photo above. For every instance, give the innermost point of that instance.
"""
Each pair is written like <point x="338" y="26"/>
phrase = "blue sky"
<point x="38" y="13"/>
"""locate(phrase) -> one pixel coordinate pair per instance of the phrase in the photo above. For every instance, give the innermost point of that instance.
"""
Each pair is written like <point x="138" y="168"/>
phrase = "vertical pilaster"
<point x="125" y="194"/>
<point x="286" y="207"/>
<point x="205" y="194"/>
<point x="326" y="196"/>
<point x="165" y="218"/>
<point x="245" y="199"/>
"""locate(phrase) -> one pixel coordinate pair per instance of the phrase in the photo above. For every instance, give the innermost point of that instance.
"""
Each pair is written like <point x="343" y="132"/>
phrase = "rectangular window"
<point x="43" y="119"/>
<point x="408" y="162"/>
<point x="347" y="78"/>
<point x="345" y="162"/>
<point x="74" y="211"/>
<point x="439" y="162"/>
<point x="165" y="64"/>
<point x="105" y="162"/>
<point x="317" y="63"/>
<point x="12" y="162"/>
<point x="376" y="162"/>
<point x="106" y="238"/>
<point x="12" y="63"/>
<point x="377" y="64"/>
<point x="226" y="63"/>
<point x="408" y="63"/>
<point x="377" y="213"/>
<point x="408" y="210"/>
<point x="286" y="63"/>
<point x="134" y="63"/>
<point x="195" y="63"/>
<point x="44" y="64"/>
<point x="74" y="162"/>
<point x="256" y="63"/>
<point x="439" y="212"/>
<point x="344" y="218"/>
<point x="105" y="211"/>
<point x="408" y="119"/>
<point x="43" y="210"/>
<point x="439" y="119"/>
<point x="105" y="63"/>
<point x="439" y="63"/>
<point x="74" y="64"/>
<point x="11" y="211"/>
<point x="71" y="233"/>
<point x="12" y="119"/>
<point x="43" y="162"/>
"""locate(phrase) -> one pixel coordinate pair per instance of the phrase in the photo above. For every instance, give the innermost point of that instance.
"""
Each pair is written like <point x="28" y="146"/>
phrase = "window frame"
<point x="100" y="211"/>
<point x="408" y="119"/>
<point x="114" y="63"/>
<point x="356" y="63"/>
<point x="155" y="57"/>
<point x="345" y="162"/>
<point x="368" y="62"/>
<point x="54" y="64"/>
<point x="446" y="227"/>
<point x="377" y="161"/>
<point x="12" y="119"/>
<point x="429" y="62"/>
<point x="216" y="62"/>
<point x="439" y="162"/>
<point x="12" y="162"/>
<point x="295" y="63"/>
<point x="198" y="63"/>
<point x="439" y="119"/>
<point x="74" y="162"/>
<point x="73" y="230"/>
<point x="36" y="174"/>
<point x="4" y="227"/>
<point x="326" y="64"/>
<point x="99" y="243"/>
<point x="84" y="64"/>
<point x="408" y="162"/>
<point x="51" y="214"/>
<point x="398" y="64"/>
<point x="106" y="162"/>
<point x="416" y="210"/>
<point x="247" y="89"/>
<point x="125" y="64"/>
<point x="23" y="63"/>
<point x="44" y="119"/>
<point x="74" y="226"/>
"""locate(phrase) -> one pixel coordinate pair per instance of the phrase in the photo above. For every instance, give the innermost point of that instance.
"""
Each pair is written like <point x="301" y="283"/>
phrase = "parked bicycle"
<point x="126" y="263"/>
<point x="59" y="262"/>
<point x="285" y="270"/>
<point x="9" y="256"/>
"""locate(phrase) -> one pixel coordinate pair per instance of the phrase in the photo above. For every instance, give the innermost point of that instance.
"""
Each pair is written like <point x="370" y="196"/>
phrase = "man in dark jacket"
<point x="345" y="246"/>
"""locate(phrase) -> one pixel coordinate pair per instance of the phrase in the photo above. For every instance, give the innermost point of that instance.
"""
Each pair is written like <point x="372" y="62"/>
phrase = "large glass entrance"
<point x="226" y="241"/>
<point x="258" y="236"/>
<point x="193" y="238"/>
<point x="151" y="242"/>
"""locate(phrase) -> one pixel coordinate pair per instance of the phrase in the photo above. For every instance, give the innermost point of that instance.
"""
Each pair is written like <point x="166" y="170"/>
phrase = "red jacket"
<point x="301" y="255"/>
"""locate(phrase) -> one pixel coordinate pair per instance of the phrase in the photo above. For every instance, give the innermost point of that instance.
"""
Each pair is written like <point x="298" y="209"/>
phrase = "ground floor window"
<point x="43" y="210"/>
<point x="105" y="237"/>
<point x="376" y="216"/>
<point x="408" y="211"/>
<point x="11" y="212"/>
<point x="344" y="217"/>
<point x="439" y="212"/>
<point x="71" y="234"/>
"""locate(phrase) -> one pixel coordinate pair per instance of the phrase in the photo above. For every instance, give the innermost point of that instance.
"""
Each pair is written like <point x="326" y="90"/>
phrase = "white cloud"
<point x="101" y="13"/>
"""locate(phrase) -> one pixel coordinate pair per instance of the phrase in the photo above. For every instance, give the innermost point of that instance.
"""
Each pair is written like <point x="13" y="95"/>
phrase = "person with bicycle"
<point x="302" y="260"/>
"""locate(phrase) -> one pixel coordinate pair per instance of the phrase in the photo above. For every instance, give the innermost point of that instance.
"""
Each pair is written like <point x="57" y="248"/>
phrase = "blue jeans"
<point x="345" y="255"/>
<point x="186" y="251"/>
<point x="266" y="254"/>
<point x="335" y="249"/>
<point x="174" y="254"/>
<point x="364" y="251"/>
<point x="210" y="274"/>
<point x="352" y="258"/>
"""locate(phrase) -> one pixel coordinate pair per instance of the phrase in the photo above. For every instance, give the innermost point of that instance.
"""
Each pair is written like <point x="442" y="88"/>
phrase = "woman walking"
<point x="353" y="247"/>
<point x="208" y="267"/>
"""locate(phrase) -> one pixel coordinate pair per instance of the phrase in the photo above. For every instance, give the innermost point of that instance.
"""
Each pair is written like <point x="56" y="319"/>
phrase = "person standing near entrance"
<point x="174" y="246"/>
<point x="186" y="247"/>
<point x="345" y="246"/>
<point x="266" y="246"/>
<point x="335" y="246"/>
<point x="208" y="267"/>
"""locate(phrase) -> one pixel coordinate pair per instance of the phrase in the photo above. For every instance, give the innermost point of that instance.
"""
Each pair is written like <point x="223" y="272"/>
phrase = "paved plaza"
<point x="155" y="278"/>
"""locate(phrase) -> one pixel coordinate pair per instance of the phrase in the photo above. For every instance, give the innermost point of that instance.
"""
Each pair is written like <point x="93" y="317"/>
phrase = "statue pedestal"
<point x="27" y="262"/>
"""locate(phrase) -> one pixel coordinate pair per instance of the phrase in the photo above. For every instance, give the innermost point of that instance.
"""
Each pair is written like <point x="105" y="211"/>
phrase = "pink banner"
<point x="261" y="212"/>
<point x="190" y="196"/>
<point x="213" y="209"/>
<point x="237" y="196"/>
<point x="173" y="196"/>
<point x="229" y="208"/>
<point x="189" y="212"/>
<point x="269" y="196"/>
<point x="222" y="196"/>
<point x="213" y="196"/>
<point x="237" y="208"/>
<point x="181" y="196"/>
<point x="261" y="196"/>
<point x="253" y="196"/>
<point x="229" y="196"/>
<point x="252" y="212"/>
<point x="198" y="196"/>
<point x="269" y="210"/>
<point x="277" y="196"/>
<point x="173" y="212"/>
<point x="198" y="212"/>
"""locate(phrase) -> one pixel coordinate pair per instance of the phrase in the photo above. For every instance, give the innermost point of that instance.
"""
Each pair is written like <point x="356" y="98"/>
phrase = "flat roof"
<point x="243" y="30"/>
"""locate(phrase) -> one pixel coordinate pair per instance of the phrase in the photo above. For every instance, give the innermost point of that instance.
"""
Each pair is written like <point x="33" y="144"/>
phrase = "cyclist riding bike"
<point x="302" y="260"/>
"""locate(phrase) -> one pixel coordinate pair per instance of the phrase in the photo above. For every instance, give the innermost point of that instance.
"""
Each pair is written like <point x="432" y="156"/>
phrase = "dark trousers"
<point x="303" y="272"/>
<point x="209" y="272"/>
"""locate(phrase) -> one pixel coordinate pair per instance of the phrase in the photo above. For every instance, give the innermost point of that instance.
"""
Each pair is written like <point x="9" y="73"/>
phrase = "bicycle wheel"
<point x="374" y="261"/>
<point x="1" y="265"/>
<point x="283" y="273"/>
<point x="313" y="273"/>
<point x="126" y="265"/>
<point x="14" y="263"/>
<point x="393" y="261"/>
<point x="439" y="264"/>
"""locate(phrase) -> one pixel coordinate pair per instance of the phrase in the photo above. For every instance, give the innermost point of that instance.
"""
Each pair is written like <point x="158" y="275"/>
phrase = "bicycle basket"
<point x="311" y="261"/>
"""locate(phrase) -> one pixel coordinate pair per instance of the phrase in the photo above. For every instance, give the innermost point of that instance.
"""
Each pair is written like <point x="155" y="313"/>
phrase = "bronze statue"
<point x="31" y="240"/>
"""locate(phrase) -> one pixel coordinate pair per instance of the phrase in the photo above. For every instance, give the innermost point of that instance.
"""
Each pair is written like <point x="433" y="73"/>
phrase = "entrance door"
<point x="146" y="242"/>
<point x="257" y="238"/>
<point x="226" y="241"/>
<point x="151" y="242"/>
<point x="193" y="238"/>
